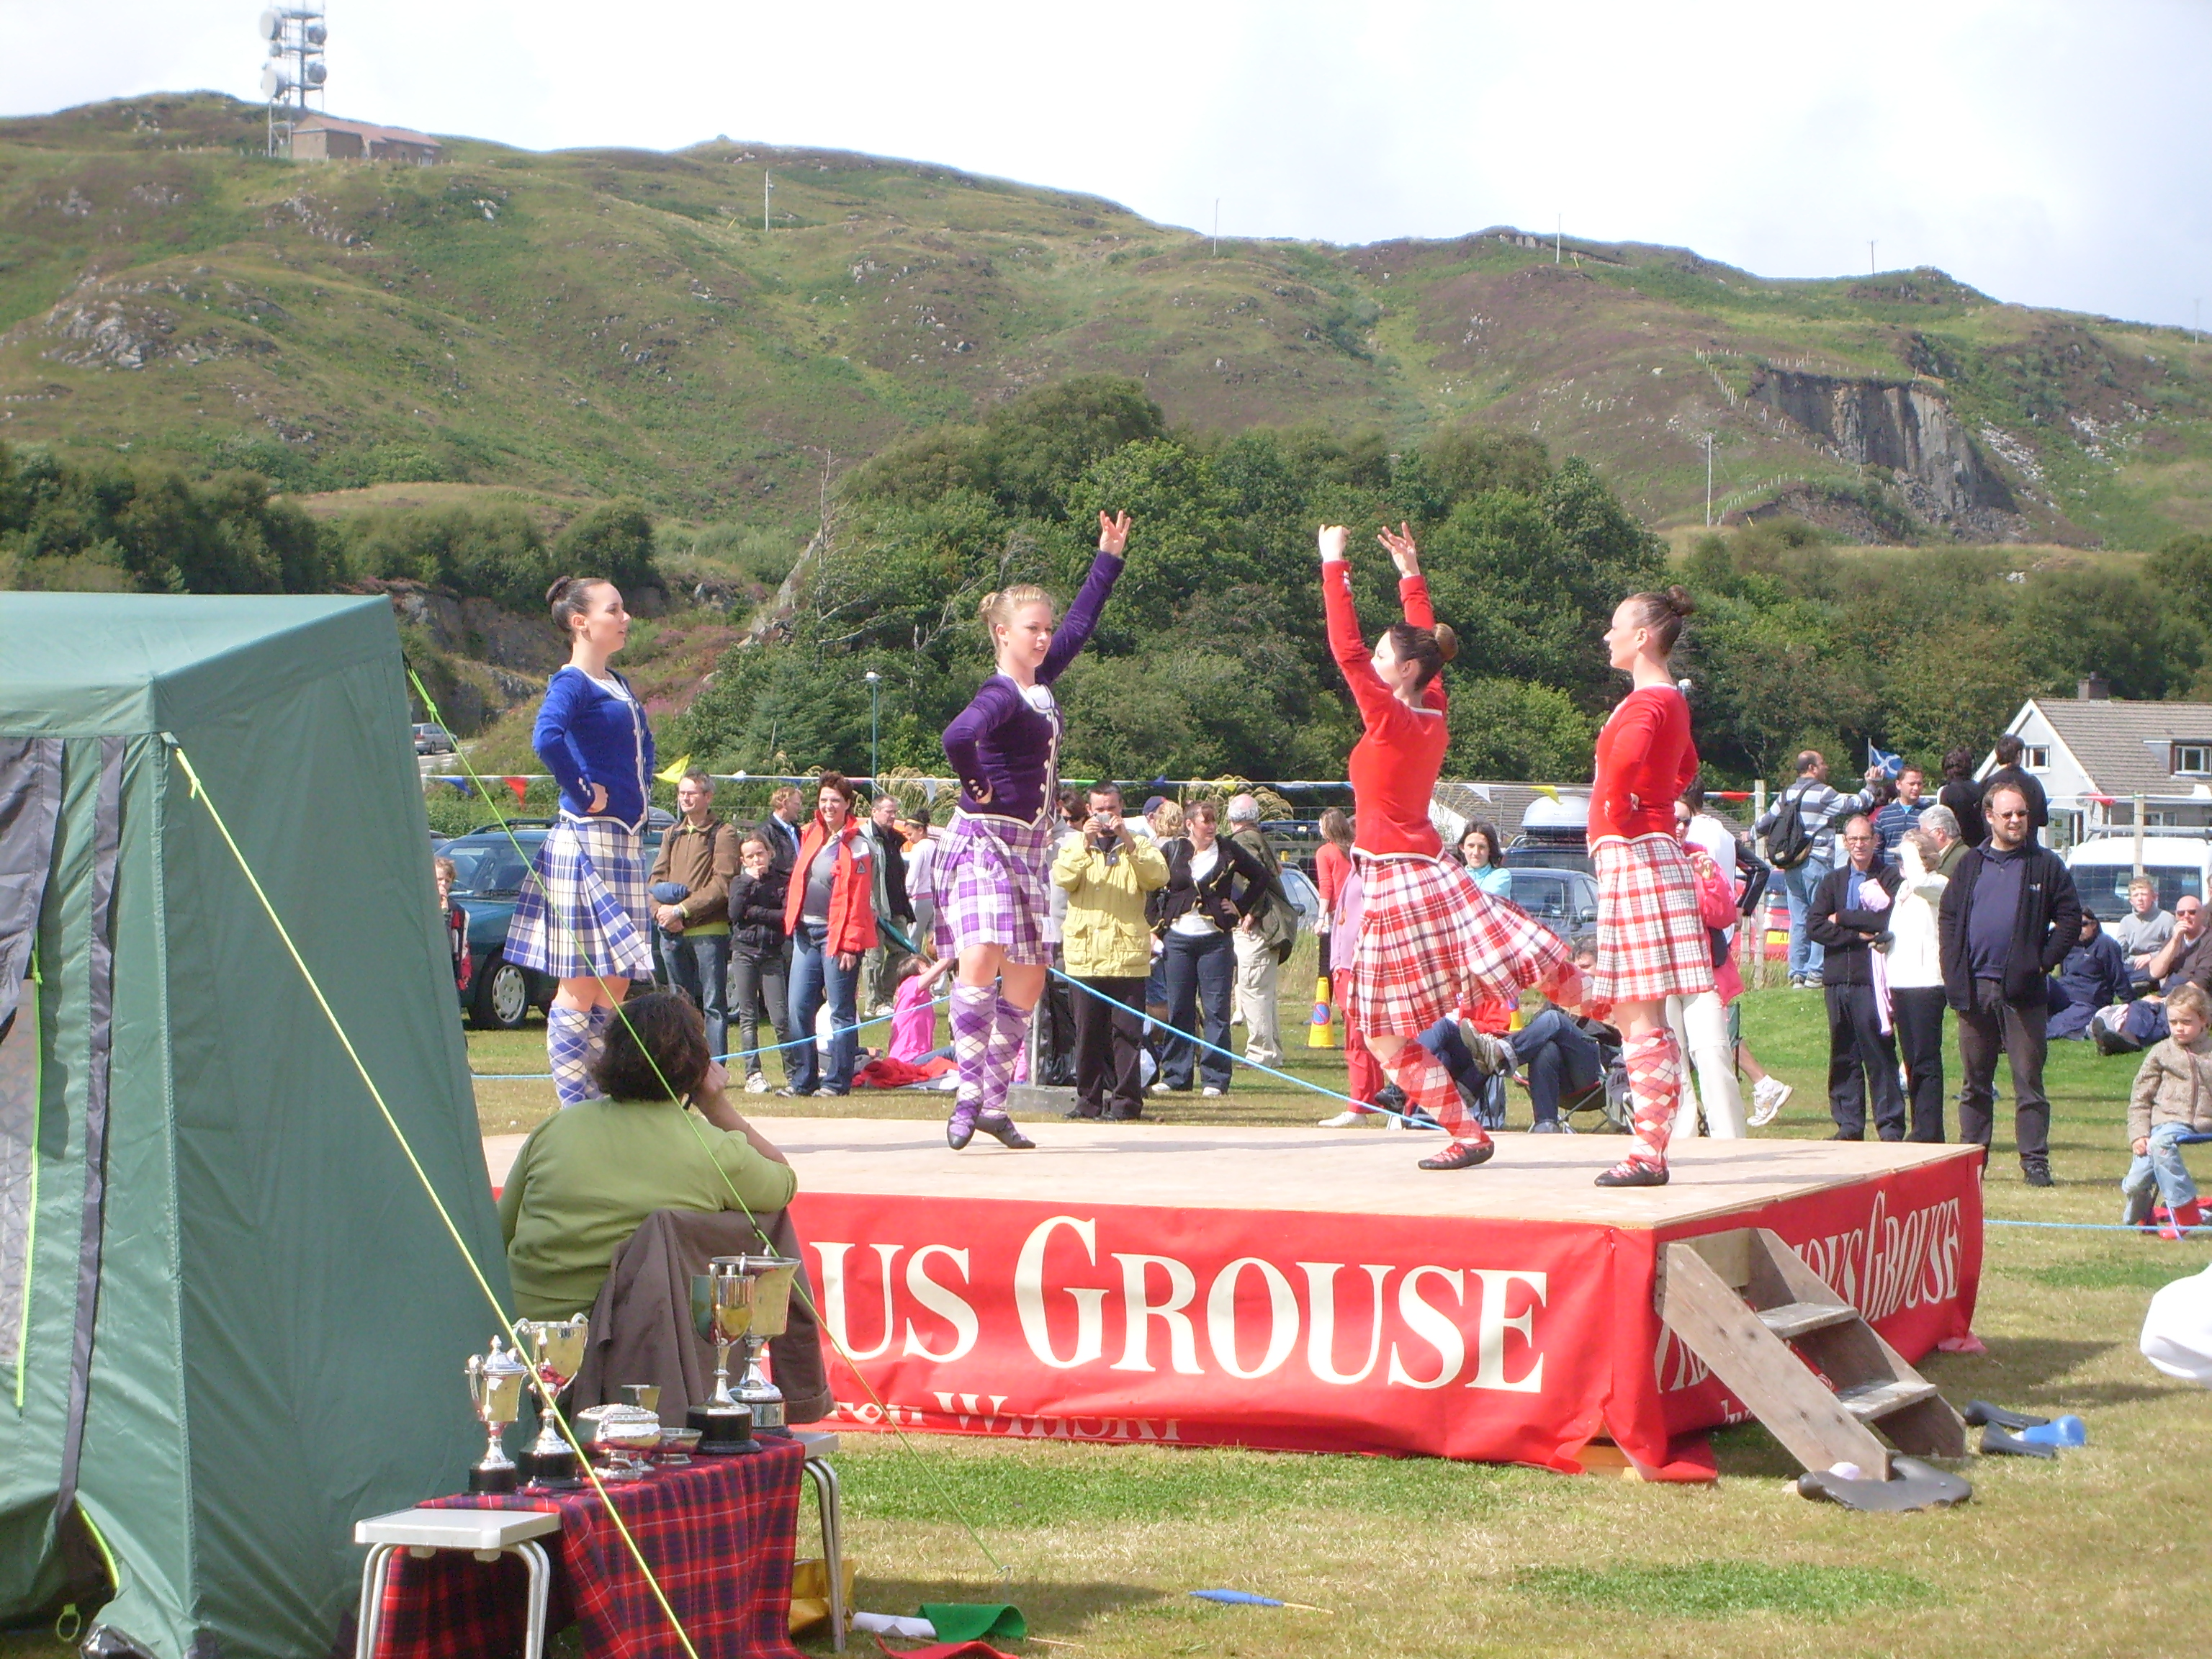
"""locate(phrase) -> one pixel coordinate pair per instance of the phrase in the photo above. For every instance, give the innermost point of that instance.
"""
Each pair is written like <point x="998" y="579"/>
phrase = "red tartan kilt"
<point x="1652" y="939"/>
<point x="1431" y="943"/>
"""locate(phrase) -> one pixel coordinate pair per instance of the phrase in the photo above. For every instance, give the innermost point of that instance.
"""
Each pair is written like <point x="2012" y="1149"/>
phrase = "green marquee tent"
<point x="231" y="1322"/>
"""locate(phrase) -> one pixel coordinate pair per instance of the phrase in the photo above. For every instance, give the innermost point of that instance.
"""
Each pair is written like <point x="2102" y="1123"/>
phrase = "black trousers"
<point x="2020" y="1027"/>
<point x="1861" y="1059"/>
<point x="1918" y="1014"/>
<point x="1110" y="1047"/>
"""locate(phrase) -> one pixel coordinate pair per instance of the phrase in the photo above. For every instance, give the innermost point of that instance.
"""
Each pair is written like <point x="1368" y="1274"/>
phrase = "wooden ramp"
<point x="1799" y="1356"/>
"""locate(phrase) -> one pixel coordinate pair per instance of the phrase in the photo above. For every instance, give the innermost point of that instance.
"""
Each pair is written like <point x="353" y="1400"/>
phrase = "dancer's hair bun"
<point x="1679" y="601"/>
<point x="1448" y="639"/>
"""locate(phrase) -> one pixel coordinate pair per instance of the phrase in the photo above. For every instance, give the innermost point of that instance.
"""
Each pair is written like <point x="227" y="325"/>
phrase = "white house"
<point x="2095" y="755"/>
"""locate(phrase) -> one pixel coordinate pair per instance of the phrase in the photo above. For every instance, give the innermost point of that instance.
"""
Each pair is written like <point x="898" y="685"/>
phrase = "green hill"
<point x="598" y="323"/>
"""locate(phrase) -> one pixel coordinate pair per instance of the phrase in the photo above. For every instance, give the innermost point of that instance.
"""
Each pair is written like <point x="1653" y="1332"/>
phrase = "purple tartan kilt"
<point x="993" y="882"/>
<point x="583" y="913"/>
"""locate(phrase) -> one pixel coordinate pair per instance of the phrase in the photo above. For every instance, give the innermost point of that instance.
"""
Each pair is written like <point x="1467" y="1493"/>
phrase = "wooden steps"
<point x="1802" y="1359"/>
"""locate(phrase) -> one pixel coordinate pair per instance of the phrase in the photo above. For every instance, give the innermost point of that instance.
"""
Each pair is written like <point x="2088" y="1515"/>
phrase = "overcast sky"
<point x="2054" y="152"/>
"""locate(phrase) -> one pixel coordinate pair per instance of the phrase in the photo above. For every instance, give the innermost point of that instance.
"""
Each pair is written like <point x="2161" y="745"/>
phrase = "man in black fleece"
<point x="2010" y="916"/>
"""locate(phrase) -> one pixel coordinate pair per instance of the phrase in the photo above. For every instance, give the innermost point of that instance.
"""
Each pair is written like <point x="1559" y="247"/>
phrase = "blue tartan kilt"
<point x="583" y="912"/>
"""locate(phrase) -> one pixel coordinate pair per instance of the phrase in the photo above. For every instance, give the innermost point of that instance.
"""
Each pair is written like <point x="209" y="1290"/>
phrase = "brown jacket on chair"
<point x="642" y="1323"/>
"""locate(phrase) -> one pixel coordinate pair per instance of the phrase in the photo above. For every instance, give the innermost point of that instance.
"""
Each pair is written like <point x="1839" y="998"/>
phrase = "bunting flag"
<point x="1546" y="790"/>
<point x="521" y="787"/>
<point x="675" y="773"/>
<point x="460" y="784"/>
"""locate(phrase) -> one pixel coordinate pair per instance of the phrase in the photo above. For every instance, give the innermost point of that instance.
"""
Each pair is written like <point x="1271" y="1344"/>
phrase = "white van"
<point x="2179" y="860"/>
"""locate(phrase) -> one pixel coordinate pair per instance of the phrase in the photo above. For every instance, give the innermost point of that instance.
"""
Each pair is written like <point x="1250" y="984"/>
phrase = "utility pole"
<point x="1216" y="226"/>
<point x="1869" y="255"/>
<point x="768" y="187"/>
<point x="1558" y="233"/>
<point x="2199" y="330"/>
<point x="1708" y="481"/>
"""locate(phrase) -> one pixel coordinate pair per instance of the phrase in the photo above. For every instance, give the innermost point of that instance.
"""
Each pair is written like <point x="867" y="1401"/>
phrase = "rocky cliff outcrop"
<point x="1910" y="431"/>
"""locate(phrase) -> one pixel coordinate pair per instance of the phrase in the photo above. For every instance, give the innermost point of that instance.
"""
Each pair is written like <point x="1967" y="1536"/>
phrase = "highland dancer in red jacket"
<point x="1431" y="941"/>
<point x="1652" y="939"/>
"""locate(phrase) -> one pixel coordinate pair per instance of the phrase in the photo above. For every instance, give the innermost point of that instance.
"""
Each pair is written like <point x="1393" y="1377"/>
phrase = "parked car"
<point x="489" y="866"/>
<point x="1562" y="901"/>
<point x="1554" y="835"/>
<point x="2178" y="858"/>
<point x="432" y="739"/>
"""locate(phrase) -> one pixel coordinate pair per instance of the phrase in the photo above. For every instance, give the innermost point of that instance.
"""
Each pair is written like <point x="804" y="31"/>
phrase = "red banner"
<point x="1504" y="1341"/>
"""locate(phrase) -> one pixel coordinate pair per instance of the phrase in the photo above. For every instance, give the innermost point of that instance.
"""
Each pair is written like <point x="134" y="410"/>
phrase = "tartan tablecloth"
<point x="718" y="1535"/>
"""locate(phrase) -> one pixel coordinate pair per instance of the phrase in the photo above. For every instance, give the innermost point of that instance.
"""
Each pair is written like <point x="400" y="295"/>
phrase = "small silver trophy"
<point x="772" y="1277"/>
<point x="620" y="1435"/>
<point x="495" y="1391"/>
<point x="554" y="1349"/>
<point x="721" y="1312"/>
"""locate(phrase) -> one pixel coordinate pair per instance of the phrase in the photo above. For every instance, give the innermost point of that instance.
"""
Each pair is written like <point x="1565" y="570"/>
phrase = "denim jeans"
<point x="1557" y="1057"/>
<point x="758" y="994"/>
<point x="815" y="975"/>
<point x="2161" y="1169"/>
<point x="1797" y="885"/>
<point x="1200" y="968"/>
<point x="699" y="967"/>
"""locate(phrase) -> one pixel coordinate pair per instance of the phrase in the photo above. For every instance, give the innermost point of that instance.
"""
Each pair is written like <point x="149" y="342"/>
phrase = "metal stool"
<point x="821" y="1447"/>
<point x="486" y="1534"/>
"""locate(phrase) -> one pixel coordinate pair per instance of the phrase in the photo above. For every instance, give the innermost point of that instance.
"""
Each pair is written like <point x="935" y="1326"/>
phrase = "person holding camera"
<point x="1106" y="872"/>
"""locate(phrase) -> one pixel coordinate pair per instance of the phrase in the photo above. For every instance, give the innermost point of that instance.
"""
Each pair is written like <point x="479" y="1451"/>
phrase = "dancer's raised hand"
<point x="1113" y="533"/>
<point x="1403" y="553"/>
<point x="1335" y="541"/>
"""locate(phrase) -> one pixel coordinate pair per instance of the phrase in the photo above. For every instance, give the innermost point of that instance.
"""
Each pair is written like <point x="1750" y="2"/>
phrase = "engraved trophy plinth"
<point x="772" y="1277"/>
<point x="555" y="1350"/>
<point x="495" y="1380"/>
<point x="721" y="1313"/>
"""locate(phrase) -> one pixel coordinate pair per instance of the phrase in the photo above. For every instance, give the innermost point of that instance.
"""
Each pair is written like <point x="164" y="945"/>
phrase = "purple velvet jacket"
<point x="1000" y="741"/>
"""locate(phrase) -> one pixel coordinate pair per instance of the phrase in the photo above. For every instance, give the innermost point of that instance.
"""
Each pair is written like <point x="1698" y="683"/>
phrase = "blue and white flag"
<point x="1891" y="765"/>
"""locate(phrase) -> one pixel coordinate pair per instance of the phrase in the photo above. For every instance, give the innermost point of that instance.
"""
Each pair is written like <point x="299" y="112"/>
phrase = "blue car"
<point x="489" y="868"/>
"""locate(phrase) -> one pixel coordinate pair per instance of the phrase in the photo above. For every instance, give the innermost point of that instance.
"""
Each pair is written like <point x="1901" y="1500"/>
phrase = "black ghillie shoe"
<point x="960" y="1127"/>
<point x="1995" y="1443"/>
<point x="1633" y="1174"/>
<point x="1000" y="1128"/>
<point x="1461" y="1155"/>
<point x="1980" y="1412"/>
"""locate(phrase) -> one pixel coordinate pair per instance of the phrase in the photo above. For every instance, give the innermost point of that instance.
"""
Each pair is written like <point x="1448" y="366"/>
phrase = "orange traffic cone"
<point x="1322" y="1033"/>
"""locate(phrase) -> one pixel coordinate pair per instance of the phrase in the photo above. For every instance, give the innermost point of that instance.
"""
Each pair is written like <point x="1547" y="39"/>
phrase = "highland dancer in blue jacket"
<point x="584" y="920"/>
<point x="992" y="876"/>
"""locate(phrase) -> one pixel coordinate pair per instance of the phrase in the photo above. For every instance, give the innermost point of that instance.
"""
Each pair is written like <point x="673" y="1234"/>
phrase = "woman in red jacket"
<point x="1651" y="940"/>
<point x="1431" y="941"/>
<point x="831" y="914"/>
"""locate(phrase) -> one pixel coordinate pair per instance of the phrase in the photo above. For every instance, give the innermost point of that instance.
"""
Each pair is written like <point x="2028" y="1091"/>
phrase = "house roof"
<point x="2113" y="741"/>
<point x="368" y="132"/>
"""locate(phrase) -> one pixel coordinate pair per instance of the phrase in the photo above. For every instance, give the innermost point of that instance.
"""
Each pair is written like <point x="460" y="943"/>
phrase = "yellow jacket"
<point x="1105" y="935"/>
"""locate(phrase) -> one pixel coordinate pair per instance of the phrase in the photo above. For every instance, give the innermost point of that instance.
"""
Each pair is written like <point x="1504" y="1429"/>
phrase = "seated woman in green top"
<point x="589" y="1175"/>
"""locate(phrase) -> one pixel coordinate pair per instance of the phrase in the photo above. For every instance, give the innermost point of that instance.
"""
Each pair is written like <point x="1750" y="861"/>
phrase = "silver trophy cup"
<point x="555" y="1350"/>
<point x="772" y="1277"/>
<point x="495" y="1382"/>
<point x="721" y="1313"/>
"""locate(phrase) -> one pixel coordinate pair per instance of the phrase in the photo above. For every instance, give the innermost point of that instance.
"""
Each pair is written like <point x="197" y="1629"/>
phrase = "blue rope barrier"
<point x="2087" y="1227"/>
<point x="734" y="1054"/>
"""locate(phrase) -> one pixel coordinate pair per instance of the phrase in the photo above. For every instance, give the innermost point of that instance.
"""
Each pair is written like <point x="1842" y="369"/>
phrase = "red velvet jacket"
<point x="852" y="895"/>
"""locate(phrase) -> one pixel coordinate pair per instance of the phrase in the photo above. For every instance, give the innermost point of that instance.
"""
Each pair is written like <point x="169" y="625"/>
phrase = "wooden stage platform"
<point x="1309" y="1289"/>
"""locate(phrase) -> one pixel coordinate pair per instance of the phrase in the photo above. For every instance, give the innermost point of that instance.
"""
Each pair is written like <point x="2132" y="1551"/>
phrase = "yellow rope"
<point x="806" y="1296"/>
<point x="199" y="792"/>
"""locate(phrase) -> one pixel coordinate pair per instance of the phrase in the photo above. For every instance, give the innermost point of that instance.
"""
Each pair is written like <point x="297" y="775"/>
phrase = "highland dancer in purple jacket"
<point x="992" y="876"/>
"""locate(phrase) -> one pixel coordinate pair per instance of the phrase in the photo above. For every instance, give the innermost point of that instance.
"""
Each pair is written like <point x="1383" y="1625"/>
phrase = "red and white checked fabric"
<point x="1430" y="1086"/>
<point x="1652" y="939"/>
<point x="1432" y="942"/>
<point x="718" y="1536"/>
<point x="1654" y="1065"/>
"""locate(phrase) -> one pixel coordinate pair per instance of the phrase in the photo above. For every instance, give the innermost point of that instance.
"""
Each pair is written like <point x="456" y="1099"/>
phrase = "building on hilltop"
<point x="321" y="138"/>
<point x="2094" y="755"/>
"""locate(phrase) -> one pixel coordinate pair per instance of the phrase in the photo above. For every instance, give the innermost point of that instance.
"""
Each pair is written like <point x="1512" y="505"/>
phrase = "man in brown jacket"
<point x="691" y="903"/>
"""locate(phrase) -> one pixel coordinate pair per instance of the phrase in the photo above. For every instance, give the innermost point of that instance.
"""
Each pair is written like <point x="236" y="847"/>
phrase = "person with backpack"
<point x="1801" y="845"/>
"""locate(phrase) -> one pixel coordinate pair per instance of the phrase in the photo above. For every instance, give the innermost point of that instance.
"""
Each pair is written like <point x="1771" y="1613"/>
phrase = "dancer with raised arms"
<point x="1652" y="939"/>
<point x="584" y="920"/>
<point x="993" y="873"/>
<point x="1432" y="942"/>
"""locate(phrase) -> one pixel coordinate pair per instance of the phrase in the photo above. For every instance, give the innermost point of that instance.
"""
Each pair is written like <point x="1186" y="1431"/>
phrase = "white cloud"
<point x="2043" y="150"/>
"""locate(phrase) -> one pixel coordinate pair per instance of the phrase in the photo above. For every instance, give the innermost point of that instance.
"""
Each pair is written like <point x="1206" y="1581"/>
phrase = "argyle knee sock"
<point x="975" y="1011"/>
<point x="1430" y="1086"/>
<point x="1655" y="1085"/>
<point x="568" y="1050"/>
<point x="1010" y="1030"/>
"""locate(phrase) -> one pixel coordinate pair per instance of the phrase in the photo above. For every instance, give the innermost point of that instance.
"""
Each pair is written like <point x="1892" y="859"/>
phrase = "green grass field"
<point x="2101" y="1554"/>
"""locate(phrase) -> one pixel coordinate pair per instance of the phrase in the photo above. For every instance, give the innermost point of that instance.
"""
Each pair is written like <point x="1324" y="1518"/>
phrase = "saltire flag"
<point x="1891" y="765"/>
